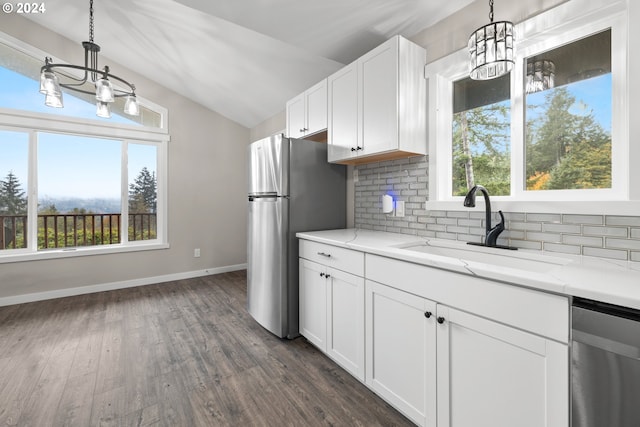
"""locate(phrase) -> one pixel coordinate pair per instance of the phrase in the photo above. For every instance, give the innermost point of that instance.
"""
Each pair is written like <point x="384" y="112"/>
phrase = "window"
<point x="550" y="130"/>
<point x="72" y="183"/>
<point x="14" y="147"/>
<point x="568" y="126"/>
<point x="20" y="75"/>
<point x="481" y="137"/>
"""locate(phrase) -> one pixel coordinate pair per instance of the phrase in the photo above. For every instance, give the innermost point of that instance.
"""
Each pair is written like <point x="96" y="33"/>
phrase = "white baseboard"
<point x="89" y="289"/>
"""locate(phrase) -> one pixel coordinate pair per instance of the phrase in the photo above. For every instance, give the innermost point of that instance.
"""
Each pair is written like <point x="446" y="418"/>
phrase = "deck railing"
<point x="73" y="230"/>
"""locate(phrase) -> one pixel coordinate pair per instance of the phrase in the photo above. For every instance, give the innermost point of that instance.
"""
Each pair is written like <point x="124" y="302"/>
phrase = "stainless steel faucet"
<point x="491" y="233"/>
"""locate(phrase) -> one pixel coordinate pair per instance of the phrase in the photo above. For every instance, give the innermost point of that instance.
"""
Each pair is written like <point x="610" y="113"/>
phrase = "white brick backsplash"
<point x="561" y="228"/>
<point x="610" y="236"/>
<point x="565" y="249"/>
<point x="544" y="237"/>
<point x="604" y="231"/>
<point x="541" y="217"/>
<point x="583" y="219"/>
<point x="582" y="240"/>
<point x="605" y="253"/>
<point x="622" y="243"/>
<point x="633" y="221"/>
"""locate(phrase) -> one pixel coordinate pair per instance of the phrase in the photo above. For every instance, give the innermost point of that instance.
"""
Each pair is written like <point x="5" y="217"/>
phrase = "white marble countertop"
<point x="615" y="282"/>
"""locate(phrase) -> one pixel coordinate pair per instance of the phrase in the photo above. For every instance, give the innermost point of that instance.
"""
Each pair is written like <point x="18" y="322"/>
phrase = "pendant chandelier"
<point x="105" y="93"/>
<point x="491" y="49"/>
<point x="541" y="75"/>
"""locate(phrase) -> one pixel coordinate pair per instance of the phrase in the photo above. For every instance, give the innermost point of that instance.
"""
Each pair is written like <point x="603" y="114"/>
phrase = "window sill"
<point x="23" y="255"/>
<point x="586" y="207"/>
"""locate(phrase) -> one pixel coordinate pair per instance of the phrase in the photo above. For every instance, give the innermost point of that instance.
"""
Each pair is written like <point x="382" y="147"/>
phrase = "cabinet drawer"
<point x="528" y="309"/>
<point x="333" y="256"/>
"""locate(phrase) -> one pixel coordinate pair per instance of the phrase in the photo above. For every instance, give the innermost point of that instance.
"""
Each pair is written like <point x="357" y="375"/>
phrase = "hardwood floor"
<point x="184" y="353"/>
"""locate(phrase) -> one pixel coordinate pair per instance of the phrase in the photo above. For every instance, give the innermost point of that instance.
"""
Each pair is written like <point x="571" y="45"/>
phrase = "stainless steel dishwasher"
<point x="605" y="365"/>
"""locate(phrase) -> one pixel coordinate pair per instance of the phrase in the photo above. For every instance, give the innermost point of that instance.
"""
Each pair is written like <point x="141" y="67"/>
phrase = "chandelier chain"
<point x="91" y="20"/>
<point x="490" y="10"/>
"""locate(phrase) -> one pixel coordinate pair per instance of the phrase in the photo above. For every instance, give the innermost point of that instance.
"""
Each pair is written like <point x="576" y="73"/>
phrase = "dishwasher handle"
<point x="611" y="328"/>
<point x="606" y="344"/>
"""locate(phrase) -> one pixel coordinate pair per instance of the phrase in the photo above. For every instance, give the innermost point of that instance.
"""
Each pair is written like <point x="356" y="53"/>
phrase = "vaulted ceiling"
<point x="241" y="58"/>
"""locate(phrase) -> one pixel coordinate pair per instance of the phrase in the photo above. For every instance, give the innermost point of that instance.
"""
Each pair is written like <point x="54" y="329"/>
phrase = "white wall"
<point x="206" y="193"/>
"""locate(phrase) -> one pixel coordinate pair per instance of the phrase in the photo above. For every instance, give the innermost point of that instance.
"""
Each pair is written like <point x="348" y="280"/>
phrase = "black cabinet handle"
<point x="359" y="148"/>
<point x="327" y="275"/>
<point x="324" y="254"/>
<point x="353" y="149"/>
<point x="321" y="274"/>
<point x="441" y="320"/>
<point x="427" y="314"/>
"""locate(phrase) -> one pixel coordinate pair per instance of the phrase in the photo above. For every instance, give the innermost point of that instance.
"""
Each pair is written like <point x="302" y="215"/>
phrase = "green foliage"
<point x="13" y="200"/>
<point x="564" y="150"/>
<point x="143" y="193"/>
<point x="481" y="149"/>
<point x="572" y="150"/>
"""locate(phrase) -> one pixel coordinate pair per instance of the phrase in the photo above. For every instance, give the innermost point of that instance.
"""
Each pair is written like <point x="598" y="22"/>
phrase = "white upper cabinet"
<point x="342" y="134"/>
<point x="307" y="112"/>
<point x="377" y="105"/>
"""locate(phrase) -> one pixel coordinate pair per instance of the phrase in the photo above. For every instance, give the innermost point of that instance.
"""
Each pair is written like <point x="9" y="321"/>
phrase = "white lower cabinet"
<point x="332" y="306"/>
<point x="493" y="375"/>
<point x="345" y="321"/>
<point x="444" y="367"/>
<point x="401" y="352"/>
<point x="446" y="349"/>
<point x="313" y="303"/>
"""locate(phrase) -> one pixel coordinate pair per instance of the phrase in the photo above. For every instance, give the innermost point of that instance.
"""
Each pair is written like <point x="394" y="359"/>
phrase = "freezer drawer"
<point x="267" y="263"/>
<point x="269" y="166"/>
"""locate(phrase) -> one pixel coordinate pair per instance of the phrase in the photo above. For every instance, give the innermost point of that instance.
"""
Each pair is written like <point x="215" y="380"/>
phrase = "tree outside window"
<point x="568" y="127"/>
<point x="481" y="146"/>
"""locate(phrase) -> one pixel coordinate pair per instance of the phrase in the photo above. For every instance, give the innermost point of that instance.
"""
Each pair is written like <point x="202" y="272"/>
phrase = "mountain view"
<point x="96" y="205"/>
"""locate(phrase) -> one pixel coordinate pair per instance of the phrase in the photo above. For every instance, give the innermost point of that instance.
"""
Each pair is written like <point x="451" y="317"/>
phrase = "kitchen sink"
<point x="520" y="260"/>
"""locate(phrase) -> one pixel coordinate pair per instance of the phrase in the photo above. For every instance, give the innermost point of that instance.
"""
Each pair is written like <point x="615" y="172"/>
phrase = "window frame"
<point x="33" y="122"/>
<point x="559" y="26"/>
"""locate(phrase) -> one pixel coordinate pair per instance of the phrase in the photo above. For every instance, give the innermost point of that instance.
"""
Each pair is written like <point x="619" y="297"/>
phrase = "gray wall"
<point x="206" y="192"/>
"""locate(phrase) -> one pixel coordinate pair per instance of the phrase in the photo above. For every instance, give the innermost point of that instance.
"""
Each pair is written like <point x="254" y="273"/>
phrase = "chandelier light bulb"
<point x="104" y="91"/>
<point x="49" y="84"/>
<point x="53" y="100"/>
<point x="103" y="110"/>
<point x="131" y="106"/>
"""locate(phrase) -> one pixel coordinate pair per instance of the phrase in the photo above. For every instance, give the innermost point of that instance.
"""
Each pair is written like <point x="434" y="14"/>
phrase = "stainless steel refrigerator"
<point x="292" y="188"/>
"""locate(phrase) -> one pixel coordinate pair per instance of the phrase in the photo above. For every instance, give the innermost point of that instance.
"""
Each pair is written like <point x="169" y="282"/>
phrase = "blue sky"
<point x="593" y="93"/>
<point x="68" y="166"/>
<point x="592" y="96"/>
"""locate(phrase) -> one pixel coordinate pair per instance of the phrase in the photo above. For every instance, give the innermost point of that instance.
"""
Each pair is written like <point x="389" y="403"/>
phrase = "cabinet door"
<point x="378" y="93"/>
<point x="342" y="126"/>
<point x="316" y="102"/>
<point x="345" y="330"/>
<point x="313" y="303"/>
<point x="296" y="124"/>
<point x="493" y="375"/>
<point x="401" y="353"/>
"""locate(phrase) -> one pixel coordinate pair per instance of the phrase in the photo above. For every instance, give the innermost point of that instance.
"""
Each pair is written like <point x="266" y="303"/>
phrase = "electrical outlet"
<point x="356" y="175"/>
<point x="400" y="208"/>
<point x="196" y="253"/>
